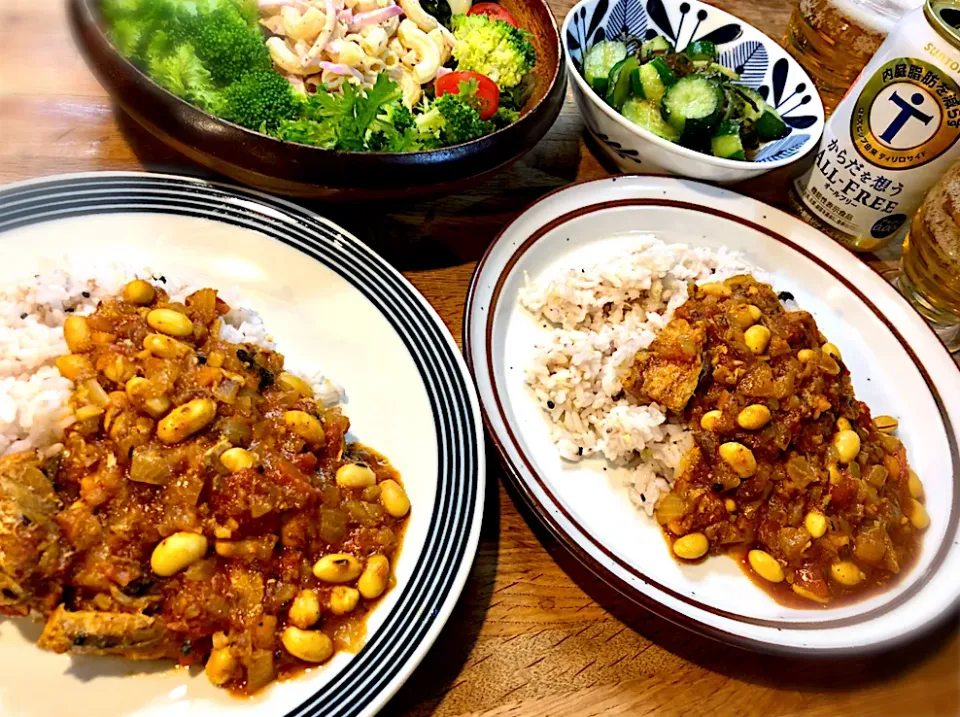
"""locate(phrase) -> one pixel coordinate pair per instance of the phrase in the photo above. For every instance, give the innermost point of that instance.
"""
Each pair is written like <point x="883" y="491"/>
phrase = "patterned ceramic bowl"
<point x="761" y="62"/>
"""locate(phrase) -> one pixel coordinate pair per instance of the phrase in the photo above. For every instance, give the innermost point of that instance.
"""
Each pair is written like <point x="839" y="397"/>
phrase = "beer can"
<point x="893" y="135"/>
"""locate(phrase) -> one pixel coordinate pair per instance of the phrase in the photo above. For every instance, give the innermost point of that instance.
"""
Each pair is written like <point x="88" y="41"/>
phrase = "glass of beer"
<point x="834" y="39"/>
<point x="930" y="267"/>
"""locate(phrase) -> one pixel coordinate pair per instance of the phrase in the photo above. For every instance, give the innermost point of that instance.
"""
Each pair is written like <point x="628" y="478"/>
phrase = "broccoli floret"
<point x="260" y="101"/>
<point x="504" y="116"/>
<point x="185" y="76"/>
<point x="220" y="31"/>
<point x="226" y="44"/>
<point x="494" y="48"/>
<point x="393" y="130"/>
<point x="450" y="120"/>
<point x="397" y="116"/>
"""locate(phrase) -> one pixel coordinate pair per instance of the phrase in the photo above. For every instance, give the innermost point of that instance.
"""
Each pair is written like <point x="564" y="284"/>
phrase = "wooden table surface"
<point x="534" y="633"/>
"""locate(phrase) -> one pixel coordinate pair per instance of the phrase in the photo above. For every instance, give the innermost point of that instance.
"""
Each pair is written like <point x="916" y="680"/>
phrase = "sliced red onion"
<point x="296" y="83"/>
<point x="441" y="71"/>
<point x="375" y="17"/>
<point x="338" y="68"/>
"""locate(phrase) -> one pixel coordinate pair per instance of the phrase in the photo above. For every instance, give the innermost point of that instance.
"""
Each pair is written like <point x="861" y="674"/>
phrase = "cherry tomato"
<point x="487" y="90"/>
<point x="494" y="11"/>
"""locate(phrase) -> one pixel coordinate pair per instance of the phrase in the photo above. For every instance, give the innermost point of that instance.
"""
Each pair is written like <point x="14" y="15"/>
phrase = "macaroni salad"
<point x="350" y="75"/>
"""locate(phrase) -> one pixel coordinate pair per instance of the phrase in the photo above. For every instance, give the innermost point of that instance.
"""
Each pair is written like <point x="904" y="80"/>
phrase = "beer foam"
<point x="881" y="16"/>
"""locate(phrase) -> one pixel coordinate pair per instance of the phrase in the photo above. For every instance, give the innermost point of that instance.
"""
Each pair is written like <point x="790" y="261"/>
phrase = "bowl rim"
<point x="90" y="11"/>
<point x="679" y="149"/>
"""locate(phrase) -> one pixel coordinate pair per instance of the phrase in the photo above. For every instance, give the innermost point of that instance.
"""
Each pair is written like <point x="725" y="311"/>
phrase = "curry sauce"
<point x="205" y="507"/>
<point x="790" y="473"/>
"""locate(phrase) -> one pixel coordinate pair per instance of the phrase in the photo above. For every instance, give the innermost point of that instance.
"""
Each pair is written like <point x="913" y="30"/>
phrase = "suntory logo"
<point x="907" y="114"/>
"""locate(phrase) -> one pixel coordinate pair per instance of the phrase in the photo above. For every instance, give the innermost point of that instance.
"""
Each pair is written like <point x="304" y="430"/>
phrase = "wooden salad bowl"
<point x="303" y="171"/>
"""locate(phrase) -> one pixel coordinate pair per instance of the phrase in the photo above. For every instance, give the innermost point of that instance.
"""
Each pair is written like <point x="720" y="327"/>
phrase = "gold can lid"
<point x="944" y="16"/>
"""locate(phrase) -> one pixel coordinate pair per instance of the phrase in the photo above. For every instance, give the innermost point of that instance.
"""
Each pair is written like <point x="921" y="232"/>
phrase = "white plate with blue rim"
<point x="898" y="367"/>
<point x="759" y="60"/>
<point x="328" y="301"/>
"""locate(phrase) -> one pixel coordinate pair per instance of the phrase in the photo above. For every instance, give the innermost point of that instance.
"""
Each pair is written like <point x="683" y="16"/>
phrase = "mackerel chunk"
<point x="87" y="632"/>
<point x="31" y="555"/>
<point x="668" y="372"/>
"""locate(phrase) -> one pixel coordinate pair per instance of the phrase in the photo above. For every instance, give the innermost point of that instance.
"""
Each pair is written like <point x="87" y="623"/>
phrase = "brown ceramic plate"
<point x="897" y="365"/>
<point x="300" y="170"/>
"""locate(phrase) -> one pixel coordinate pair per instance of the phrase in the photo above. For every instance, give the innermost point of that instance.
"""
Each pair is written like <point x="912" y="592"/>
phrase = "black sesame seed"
<point x="551" y="405"/>
<point x="643" y="498"/>
<point x="580" y="451"/>
<point x="69" y="311"/>
<point x="24" y="315"/>
<point x="85" y="294"/>
<point x="785" y="296"/>
<point x="163" y="279"/>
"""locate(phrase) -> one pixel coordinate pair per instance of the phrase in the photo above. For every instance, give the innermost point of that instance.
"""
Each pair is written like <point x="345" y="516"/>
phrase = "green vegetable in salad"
<point x="726" y="142"/>
<point x="493" y="48"/>
<point x="452" y="119"/>
<point x="213" y="54"/>
<point x="693" y="106"/>
<point x="599" y="61"/>
<point x="701" y="50"/>
<point x="647" y="115"/>
<point x="226" y="44"/>
<point x="658" y="45"/>
<point x="770" y="126"/>
<point x="685" y="97"/>
<point x="651" y="84"/>
<point x="260" y="100"/>
<point x="353" y="121"/>
<point x="393" y="130"/>
<point x="184" y="75"/>
<point x="621" y="82"/>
